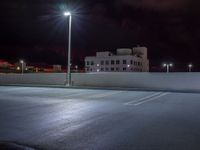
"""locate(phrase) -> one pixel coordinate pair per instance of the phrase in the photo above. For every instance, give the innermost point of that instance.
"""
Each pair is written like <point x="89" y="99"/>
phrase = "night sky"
<point x="36" y="30"/>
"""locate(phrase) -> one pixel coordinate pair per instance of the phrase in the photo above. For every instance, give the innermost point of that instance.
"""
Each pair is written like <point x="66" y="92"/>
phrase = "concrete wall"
<point x="35" y="79"/>
<point x="163" y="81"/>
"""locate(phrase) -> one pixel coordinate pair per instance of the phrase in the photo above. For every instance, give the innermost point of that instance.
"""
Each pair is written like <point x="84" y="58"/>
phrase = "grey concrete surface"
<point x="74" y="119"/>
<point x="156" y="81"/>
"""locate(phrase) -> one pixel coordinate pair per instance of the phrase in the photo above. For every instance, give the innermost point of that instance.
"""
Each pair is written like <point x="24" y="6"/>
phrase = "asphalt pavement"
<point x="86" y="119"/>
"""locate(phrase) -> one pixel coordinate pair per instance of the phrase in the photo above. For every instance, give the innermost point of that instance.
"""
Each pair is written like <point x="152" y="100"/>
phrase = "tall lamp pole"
<point x="22" y="63"/>
<point x="190" y="67"/>
<point x="168" y="66"/>
<point x="69" y="49"/>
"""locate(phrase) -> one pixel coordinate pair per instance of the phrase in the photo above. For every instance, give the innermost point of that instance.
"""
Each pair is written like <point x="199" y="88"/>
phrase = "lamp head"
<point x="67" y="13"/>
<point x="190" y="65"/>
<point x="164" y="65"/>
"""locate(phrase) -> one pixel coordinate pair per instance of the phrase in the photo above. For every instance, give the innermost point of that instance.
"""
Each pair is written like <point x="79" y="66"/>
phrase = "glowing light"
<point x="164" y="65"/>
<point x="167" y="65"/>
<point x="97" y="65"/>
<point x="190" y="65"/>
<point x="18" y="68"/>
<point x="128" y="66"/>
<point x="67" y="14"/>
<point x="21" y="61"/>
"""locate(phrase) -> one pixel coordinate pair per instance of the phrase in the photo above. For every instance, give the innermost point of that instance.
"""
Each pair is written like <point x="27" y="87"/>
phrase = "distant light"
<point x="18" y="68"/>
<point x="190" y="65"/>
<point x="67" y="14"/>
<point x="164" y="65"/>
<point x="98" y="70"/>
<point x="21" y="61"/>
<point x="97" y="65"/>
<point x="128" y="66"/>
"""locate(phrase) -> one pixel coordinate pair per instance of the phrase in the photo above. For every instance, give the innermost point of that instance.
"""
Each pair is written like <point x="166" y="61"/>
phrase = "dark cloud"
<point x="161" y="5"/>
<point x="102" y="25"/>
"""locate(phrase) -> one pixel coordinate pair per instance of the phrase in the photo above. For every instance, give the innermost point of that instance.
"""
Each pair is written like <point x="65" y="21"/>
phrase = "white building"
<point x="125" y="60"/>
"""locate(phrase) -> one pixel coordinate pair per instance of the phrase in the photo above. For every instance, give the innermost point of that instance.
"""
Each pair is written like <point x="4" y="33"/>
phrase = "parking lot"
<point x="59" y="118"/>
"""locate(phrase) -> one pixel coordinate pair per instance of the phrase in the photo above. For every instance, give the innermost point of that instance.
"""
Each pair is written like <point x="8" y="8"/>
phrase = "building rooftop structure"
<point x="125" y="60"/>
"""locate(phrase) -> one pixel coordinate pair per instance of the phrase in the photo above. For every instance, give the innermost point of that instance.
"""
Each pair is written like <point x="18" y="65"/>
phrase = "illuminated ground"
<point x="48" y="118"/>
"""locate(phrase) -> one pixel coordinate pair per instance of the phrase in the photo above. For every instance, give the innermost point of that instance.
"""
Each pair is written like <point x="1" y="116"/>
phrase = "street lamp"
<point x="69" y="48"/>
<point x="22" y="65"/>
<point x="190" y="67"/>
<point x="76" y="67"/>
<point x="168" y="66"/>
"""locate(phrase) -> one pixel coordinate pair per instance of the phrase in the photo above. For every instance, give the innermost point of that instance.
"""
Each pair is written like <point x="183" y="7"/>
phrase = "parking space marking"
<point x="151" y="99"/>
<point x="146" y="99"/>
<point x="143" y="98"/>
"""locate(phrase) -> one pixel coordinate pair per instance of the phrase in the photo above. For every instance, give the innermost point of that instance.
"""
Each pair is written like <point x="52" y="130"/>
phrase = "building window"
<point x="135" y="63"/>
<point x="112" y="69"/>
<point x="117" y="62"/>
<point x="87" y="63"/>
<point x="124" y="69"/>
<point x="138" y="63"/>
<point x="117" y="69"/>
<point x="91" y="69"/>
<point x="131" y="62"/>
<point x="107" y="62"/>
<point x="112" y="62"/>
<point x="102" y="62"/>
<point x="124" y="62"/>
<point x="102" y="69"/>
<point x="107" y="69"/>
<point x="92" y="63"/>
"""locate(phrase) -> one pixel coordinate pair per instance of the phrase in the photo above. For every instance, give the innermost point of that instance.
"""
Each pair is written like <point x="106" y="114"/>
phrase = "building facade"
<point x="57" y="68"/>
<point x="19" y="66"/>
<point x="125" y="60"/>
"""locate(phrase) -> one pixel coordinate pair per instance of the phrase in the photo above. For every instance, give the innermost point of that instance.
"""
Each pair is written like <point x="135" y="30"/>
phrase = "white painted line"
<point x="151" y="99"/>
<point x="143" y="98"/>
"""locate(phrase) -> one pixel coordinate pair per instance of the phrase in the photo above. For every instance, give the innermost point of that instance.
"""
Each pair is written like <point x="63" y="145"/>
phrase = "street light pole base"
<point x="67" y="85"/>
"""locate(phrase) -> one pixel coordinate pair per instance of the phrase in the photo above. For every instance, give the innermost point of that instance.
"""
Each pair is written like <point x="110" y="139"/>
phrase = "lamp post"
<point x="168" y="66"/>
<point x="69" y="49"/>
<point x="76" y="67"/>
<point x="22" y="66"/>
<point x="190" y="67"/>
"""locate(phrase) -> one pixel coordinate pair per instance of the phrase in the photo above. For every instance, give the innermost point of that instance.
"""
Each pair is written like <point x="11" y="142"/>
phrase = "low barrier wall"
<point x="160" y="81"/>
<point x="35" y="79"/>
